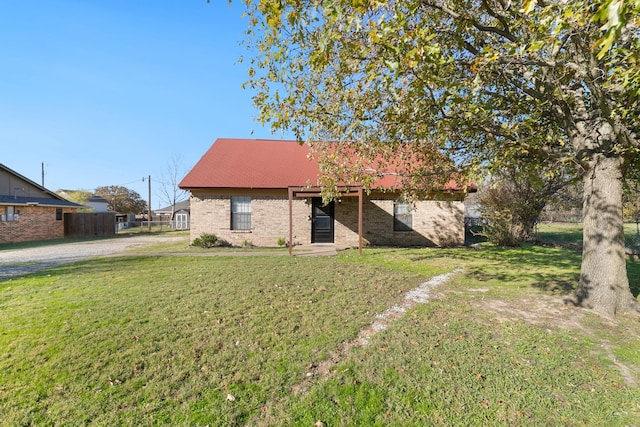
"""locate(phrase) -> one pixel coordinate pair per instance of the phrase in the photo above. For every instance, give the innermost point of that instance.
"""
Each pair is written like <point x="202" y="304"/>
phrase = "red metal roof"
<point x="263" y="163"/>
<point x="253" y="163"/>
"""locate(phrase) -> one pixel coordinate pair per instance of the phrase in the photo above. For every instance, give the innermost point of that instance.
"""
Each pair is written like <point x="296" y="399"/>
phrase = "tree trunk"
<point x="604" y="285"/>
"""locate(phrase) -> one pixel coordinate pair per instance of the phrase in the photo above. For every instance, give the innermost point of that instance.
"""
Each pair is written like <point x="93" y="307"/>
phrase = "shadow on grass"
<point x="552" y="270"/>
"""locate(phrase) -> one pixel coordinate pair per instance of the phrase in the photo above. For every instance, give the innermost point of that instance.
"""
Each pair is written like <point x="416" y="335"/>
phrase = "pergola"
<point x="304" y="192"/>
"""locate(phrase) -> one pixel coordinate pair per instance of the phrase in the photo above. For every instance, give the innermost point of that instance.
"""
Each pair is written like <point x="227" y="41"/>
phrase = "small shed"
<point x="177" y="215"/>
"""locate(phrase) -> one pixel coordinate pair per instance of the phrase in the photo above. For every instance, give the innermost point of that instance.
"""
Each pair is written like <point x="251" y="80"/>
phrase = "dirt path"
<point x="540" y="311"/>
<point x="419" y="295"/>
<point x="322" y="369"/>
<point x="17" y="262"/>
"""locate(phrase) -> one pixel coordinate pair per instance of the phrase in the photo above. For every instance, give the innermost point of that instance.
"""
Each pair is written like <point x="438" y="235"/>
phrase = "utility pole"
<point x="149" y="205"/>
<point x="148" y="202"/>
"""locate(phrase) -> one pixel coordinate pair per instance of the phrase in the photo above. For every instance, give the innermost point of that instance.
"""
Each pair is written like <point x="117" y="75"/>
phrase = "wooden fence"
<point x="89" y="224"/>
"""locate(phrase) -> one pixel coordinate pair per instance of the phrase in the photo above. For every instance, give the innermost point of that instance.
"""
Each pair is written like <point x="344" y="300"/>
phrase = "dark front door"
<point x="322" y="222"/>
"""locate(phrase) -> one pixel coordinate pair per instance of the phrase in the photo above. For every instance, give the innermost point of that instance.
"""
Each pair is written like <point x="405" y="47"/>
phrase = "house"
<point x="177" y="215"/>
<point x="30" y="211"/>
<point x="97" y="203"/>
<point x="261" y="191"/>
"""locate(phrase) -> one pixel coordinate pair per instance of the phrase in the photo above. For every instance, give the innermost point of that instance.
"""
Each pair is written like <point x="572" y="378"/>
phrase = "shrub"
<point x="503" y="229"/>
<point x="208" y="240"/>
<point x="282" y="241"/>
<point x="514" y="199"/>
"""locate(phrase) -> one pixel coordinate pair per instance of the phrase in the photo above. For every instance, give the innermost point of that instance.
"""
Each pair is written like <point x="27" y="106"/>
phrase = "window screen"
<point x="241" y="213"/>
<point x="402" y="216"/>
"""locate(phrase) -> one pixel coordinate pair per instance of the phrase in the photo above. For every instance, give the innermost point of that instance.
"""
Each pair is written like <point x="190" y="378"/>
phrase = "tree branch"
<point x="503" y="32"/>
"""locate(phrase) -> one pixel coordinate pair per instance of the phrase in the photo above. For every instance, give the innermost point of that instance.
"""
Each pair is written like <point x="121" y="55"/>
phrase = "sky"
<point x="108" y="92"/>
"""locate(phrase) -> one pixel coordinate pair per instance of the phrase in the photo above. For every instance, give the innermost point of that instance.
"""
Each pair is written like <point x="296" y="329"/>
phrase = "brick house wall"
<point x="211" y="213"/>
<point x="437" y="222"/>
<point x="34" y="223"/>
<point x="434" y="222"/>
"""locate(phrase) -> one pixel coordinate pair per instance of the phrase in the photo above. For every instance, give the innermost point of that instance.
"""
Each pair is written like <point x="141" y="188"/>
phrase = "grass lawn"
<point x="571" y="234"/>
<point x="197" y="340"/>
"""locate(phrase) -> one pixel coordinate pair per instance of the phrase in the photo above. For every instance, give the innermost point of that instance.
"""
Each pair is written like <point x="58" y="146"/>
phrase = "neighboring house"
<point x="260" y="191"/>
<point x="30" y="211"/>
<point x="97" y="203"/>
<point x="177" y="215"/>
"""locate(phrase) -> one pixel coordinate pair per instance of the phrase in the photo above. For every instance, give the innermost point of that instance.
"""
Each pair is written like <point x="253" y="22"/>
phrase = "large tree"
<point x="121" y="199"/>
<point x="487" y="81"/>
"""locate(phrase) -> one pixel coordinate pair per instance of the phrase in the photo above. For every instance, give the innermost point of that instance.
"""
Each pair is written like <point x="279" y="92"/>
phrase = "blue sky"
<point x="106" y="92"/>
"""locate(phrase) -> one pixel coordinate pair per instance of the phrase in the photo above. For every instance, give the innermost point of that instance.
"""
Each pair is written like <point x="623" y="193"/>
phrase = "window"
<point x="58" y="214"/>
<point x="241" y="213"/>
<point x="402" y="216"/>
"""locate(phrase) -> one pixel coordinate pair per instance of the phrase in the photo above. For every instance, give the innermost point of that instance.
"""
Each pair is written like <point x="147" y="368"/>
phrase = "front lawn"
<point x="197" y="340"/>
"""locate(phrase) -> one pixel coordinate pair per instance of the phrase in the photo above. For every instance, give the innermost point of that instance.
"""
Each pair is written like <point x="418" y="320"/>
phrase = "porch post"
<point x="290" y="221"/>
<point x="360" y="194"/>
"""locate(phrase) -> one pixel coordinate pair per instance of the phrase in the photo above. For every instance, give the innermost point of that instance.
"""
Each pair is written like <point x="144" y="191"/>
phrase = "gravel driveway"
<point x="16" y="262"/>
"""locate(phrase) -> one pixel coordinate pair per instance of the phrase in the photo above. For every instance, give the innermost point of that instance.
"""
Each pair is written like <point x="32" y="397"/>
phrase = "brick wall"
<point x="211" y="213"/>
<point x="435" y="222"/>
<point x="34" y="223"/>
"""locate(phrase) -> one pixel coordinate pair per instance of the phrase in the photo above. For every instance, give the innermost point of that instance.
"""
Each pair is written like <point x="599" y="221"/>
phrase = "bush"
<point x="282" y="241"/>
<point x="503" y="229"/>
<point x="207" y="240"/>
<point x="514" y="199"/>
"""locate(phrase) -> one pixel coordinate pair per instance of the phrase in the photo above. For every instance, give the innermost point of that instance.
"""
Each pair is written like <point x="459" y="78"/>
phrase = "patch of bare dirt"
<point x="543" y="310"/>
<point x="553" y="313"/>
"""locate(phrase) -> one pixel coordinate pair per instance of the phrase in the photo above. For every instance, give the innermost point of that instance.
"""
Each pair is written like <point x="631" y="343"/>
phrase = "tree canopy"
<point x="488" y="82"/>
<point x="121" y="199"/>
<point x="76" y="196"/>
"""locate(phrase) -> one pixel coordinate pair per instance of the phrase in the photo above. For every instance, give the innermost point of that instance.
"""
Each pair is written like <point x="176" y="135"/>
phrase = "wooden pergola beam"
<point x="290" y="220"/>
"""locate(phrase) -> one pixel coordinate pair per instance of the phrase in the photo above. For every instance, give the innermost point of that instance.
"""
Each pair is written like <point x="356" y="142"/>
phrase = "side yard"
<point x="23" y="258"/>
<point x="192" y="340"/>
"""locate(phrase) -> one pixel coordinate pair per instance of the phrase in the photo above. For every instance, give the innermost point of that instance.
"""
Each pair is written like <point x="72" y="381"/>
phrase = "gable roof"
<point x="265" y="164"/>
<point x="41" y="197"/>
<point x="253" y="163"/>
<point x="183" y="205"/>
<point x="97" y="199"/>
